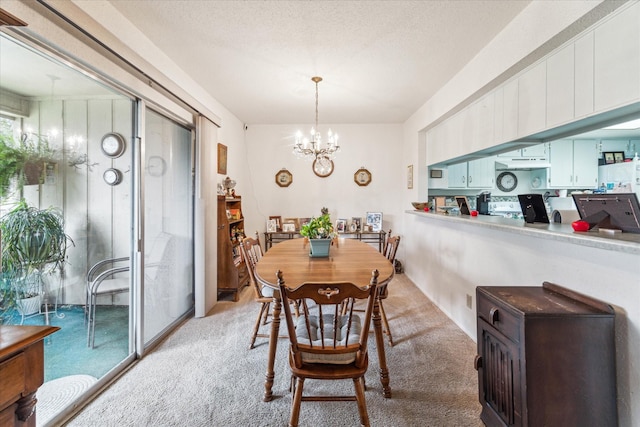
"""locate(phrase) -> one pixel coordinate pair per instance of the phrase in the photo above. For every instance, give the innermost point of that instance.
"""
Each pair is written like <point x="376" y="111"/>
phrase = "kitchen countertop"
<point x="620" y="242"/>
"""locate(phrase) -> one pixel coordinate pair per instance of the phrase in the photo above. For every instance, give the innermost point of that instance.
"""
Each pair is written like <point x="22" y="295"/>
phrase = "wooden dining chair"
<point x="252" y="253"/>
<point x="390" y="250"/>
<point x="326" y="345"/>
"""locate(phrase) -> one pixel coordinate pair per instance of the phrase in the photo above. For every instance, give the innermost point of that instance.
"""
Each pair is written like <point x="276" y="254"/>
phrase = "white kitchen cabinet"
<point x="457" y="175"/>
<point x="617" y="60"/>
<point x="481" y="173"/>
<point x="532" y="100"/>
<point x="583" y="81"/>
<point x="478" y="173"/>
<point x="537" y="151"/>
<point x="560" y="87"/>
<point x="574" y="164"/>
<point x="510" y="111"/>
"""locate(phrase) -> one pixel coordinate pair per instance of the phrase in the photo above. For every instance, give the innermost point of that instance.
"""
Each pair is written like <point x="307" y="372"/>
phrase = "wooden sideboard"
<point x="546" y="357"/>
<point x="22" y="372"/>
<point x="374" y="237"/>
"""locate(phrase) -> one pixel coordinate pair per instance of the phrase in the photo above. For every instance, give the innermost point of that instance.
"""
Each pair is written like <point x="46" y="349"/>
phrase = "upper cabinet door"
<point x="617" y="60"/>
<point x="560" y="86"/>
<point x="532" y="100"/>
<point x="583" y="102"/>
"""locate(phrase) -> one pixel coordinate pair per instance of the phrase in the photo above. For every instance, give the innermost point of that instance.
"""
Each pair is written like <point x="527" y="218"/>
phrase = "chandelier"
<point x="314" y="148"/>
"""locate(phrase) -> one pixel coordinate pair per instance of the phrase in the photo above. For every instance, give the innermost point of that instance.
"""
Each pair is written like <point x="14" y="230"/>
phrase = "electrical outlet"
<point x="469" y="301"/>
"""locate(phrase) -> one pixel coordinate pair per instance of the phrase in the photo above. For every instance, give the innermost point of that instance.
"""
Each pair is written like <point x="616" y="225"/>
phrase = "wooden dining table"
<point x="349" y="261"/>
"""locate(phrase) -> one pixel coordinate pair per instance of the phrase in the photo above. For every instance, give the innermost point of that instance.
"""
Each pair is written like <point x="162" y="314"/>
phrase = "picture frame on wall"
<point x="222" y="159"/>
<point x="410" y="177"/>
<point x="374" y="221"/>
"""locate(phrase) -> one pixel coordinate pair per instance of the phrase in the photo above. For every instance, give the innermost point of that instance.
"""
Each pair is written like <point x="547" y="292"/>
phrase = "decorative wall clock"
<point x="362" y="177"/>
<point x="507" y="181"/>
<point x="323" y="166"/>
<point x="113" y="145"/>
<point x="284" y="178"/>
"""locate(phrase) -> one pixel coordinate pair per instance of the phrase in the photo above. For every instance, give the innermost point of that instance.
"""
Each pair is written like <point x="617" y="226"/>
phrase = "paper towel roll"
<point x="564" y="216"/>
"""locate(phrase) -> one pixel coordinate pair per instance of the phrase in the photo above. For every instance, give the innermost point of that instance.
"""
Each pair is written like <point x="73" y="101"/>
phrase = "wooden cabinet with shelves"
<point x="546" y="356"/>
<point x="232" y="271"/>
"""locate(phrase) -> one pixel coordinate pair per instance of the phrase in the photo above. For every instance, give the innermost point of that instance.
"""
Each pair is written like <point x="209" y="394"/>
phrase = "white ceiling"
<point x="380" y="60"/>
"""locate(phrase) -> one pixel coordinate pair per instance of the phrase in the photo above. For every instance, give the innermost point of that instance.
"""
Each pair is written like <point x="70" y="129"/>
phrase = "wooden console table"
<point x="22" y="372"/>
<point x="373" y="237"/>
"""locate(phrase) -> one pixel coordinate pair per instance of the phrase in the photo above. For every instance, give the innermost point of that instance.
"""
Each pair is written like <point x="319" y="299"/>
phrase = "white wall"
<point x="375" y="147"/>
<point x="447" y="263"/>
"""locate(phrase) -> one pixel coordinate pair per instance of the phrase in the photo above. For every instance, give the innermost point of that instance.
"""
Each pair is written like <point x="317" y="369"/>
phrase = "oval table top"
<point x="349" y="260"/>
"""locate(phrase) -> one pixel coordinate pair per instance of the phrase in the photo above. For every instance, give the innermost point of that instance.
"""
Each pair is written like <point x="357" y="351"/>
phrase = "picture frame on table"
<point x="357" y="221"/>
<point x="304" y="221"/>
<point x="278" y="220"/>
<point x="341" y="225"/>
<point x="288" y="227"/>
<point x="294" y="221"/>
<point x="608" y="157"/>
<point x="618" y="157"/>
<point x="271" y="226"/>
<point x="374" y="221"/>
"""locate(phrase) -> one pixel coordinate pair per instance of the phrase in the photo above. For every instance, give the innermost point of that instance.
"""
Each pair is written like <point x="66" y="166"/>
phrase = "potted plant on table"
<point x="33" y="243"/>
<point x="319" y="231"/>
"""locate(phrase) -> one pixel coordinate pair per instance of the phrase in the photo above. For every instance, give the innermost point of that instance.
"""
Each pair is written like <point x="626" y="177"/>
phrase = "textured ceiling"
<point x="380" y="60"/>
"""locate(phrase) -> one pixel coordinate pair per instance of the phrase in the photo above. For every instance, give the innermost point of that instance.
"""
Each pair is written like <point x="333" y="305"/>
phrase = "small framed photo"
<point x="288" y="227"/>
<point x="374" y="221"/>
<point x="229" y="214"/>
<point x="278" y="220"/>
<point x="341" y="225"/>
<point x="304" y="221"/>
<point x="618" y="157"/>
<point x="271" y="226"/>
<point x="294" y="221"/>
<point x="222" y="159"/>
<point x="410" y="176"/>
<point x="357" y="222"/>
<point x="608" y="157"/>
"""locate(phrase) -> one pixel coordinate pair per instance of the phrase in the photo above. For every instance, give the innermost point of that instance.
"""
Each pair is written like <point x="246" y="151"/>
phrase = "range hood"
<point x="522" y="164"/>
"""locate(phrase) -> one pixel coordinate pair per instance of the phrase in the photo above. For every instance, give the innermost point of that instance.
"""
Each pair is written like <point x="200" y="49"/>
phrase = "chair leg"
<point x="358" y="383"/>
<point x="295" y="405"/>
<point x="385" y="323"/>
<point x="263" y="308"/>
<point x="266" y="313"/>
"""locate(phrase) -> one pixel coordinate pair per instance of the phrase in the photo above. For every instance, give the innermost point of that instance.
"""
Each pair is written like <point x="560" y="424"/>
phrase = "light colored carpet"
<point x="205" y="375"/>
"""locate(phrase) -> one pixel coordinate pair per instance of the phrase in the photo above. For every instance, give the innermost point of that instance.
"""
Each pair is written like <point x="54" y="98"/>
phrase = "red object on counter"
<point x="580" y="225"/>
<point x="426" y="208"/>
<point x="474" y="213"/>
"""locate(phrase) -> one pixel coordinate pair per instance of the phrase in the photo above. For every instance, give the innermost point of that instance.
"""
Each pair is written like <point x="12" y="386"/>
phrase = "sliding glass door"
<point x="167" y="270"/>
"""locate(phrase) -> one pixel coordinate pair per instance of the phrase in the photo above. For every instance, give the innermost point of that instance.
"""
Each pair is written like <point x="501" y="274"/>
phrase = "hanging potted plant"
<point x="319" y="232"/>
<point x="33" y="243"/>
<point x="23" y="161"/>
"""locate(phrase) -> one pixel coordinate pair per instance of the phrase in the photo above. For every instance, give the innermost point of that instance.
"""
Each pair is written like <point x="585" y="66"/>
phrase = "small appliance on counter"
<point x="482" y="203"/>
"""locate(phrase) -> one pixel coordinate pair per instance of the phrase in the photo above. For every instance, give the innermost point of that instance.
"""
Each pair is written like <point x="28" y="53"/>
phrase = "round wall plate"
<point x="323" y="166"/>
<point x="113" y="145"/>
<point x="112" y="176"/>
